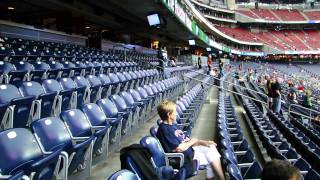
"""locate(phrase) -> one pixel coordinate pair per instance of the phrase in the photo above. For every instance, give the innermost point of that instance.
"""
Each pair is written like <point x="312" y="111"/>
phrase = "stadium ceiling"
<point x="121" y="16"/>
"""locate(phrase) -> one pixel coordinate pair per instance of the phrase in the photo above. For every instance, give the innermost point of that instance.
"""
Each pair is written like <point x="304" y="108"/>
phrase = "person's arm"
<point x="187" y="144"/>
<point x="205" y="143"/>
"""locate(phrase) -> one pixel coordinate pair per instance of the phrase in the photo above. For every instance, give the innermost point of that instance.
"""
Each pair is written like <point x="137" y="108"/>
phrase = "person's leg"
<point x="213" y="157"/>
<point x="275" y="104"/>
<point x="278" y="105"/>
<point x="217" y="169"/>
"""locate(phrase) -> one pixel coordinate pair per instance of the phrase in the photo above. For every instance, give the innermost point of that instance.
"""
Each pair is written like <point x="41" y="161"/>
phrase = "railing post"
<point x="310" y="119"/>
<point x="289" y="109"/>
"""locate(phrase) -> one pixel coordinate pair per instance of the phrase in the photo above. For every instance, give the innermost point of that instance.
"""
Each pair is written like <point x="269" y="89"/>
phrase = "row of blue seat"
<point x="38" y="70"/>
<point x="19" y="49"/>
<point x="65" y="145"/>
<point x="33" y="100"/>
<point x="307" y="148"/>
<point x="238" y="158"/>
<point x="275" y="143"/>
<point x="191" y="102"/>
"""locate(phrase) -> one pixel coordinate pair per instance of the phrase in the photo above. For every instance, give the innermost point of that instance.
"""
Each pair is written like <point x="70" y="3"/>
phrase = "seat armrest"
<point x="174" y="155"/>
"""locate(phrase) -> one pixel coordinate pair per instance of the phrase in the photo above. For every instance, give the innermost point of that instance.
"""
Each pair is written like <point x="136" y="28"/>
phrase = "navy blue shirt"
<point x="170" y="137"/>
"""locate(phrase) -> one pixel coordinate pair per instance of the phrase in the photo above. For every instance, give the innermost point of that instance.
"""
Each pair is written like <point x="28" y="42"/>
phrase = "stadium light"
<point x="192" y="42"/>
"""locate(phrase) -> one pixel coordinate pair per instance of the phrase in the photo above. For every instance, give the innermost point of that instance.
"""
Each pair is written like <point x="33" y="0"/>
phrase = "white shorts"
<point x="205" y="155"/>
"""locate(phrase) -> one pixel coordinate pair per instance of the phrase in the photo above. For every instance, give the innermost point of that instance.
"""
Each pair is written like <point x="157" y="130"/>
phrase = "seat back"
<point x="52" y="133"/>
<point x="105" y="80"/>
<point x="67" y="84"/>
<point x="8" y="92"/>
<point x="94" y="114"/>
<point x="234" y="172"/>
<point x="24" y="66"/>
<point x="47" y="99"/>
<point x="10" y="95"/>
<point x="119" y="102"/>
<point x="31" y="89"/>
<point x="148" y="90"/>
<point x="18" y="149"/>
<point x="77" y="122"/>
<point x="114" y="78"/>
<point x="121" y="77"/>
<point x="155" y="149"/>
<point x="143" y="93"/>
<point x="6" y="67"/>
<point x="153" y="131"/>
<point x="80" y="81"/>
<point x="51" y="85"/>
<point x="94" y="81"/>
<point x="39" y="65"/>
<point x="108" y="107"/>
<point x="135" y="95"/>
<point x="123" y="175"/>
<point x="128" y="98"/>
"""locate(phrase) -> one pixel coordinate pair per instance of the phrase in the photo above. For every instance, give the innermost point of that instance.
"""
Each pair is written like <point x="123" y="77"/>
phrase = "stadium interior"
<point x="82" y="82"/>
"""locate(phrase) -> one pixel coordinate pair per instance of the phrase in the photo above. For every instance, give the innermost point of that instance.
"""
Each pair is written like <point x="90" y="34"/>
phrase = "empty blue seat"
<point x="116" y="84"/>
<point x="54" y="133"/>
<point x="56" y="70"/>
<point x="21" y="113"/>
<point x="95" y="88"/>
<point x="15" y="75"/>
<point x="48" y="101"/>
<point x="89" y="68"/>
<point x="5" y="69"/>
<point x="123" y="80"/>
<point x="68" y="69"/>
<point x="39" y="71"/>
<point x="97" y="68"/>
<point x="79" y="69"/>
<point x="106" y="85"/>
<point x="144" y="104"/>
<point x="100" y="126"/>
<point x="136" y="108"/>
<point x="124" y="111"/>
<point x="83" y="89"/>
<point x="20" y="151"/>
<point x="311" y="175"/>
<point x="134" y="80"/>
<point x="113" y="117"/>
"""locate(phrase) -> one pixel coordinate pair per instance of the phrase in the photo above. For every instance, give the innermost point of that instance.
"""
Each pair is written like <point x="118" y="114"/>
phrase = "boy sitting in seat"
<point x="173" y="139"/>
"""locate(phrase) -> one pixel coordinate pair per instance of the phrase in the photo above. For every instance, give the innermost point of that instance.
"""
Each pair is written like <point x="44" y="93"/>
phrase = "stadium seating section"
<point x="302" y="40"/>
<point x="280" y="15"/>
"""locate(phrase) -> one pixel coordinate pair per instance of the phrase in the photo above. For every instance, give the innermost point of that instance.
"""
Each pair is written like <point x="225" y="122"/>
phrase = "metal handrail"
<point x="263" y="94"/>
<point x="310" y="110"/>
<point x="243" y="95"/>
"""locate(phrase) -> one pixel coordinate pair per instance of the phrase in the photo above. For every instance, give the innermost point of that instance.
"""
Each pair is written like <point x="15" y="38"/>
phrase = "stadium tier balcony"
<point x="289" y="15"/>
<point x="313" y="15"/>
<point x="238" y="33"/>
<point x="280" y="15"/>
<point x="265" y="14"/>
<point x="282" y="40"/>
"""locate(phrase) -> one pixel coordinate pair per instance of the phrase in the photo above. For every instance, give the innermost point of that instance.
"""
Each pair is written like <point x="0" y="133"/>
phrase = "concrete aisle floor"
<point x="205" y="127"/>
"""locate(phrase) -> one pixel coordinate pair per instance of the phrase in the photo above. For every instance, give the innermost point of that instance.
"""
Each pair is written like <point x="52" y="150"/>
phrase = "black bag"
<point x="141" y="157"/>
